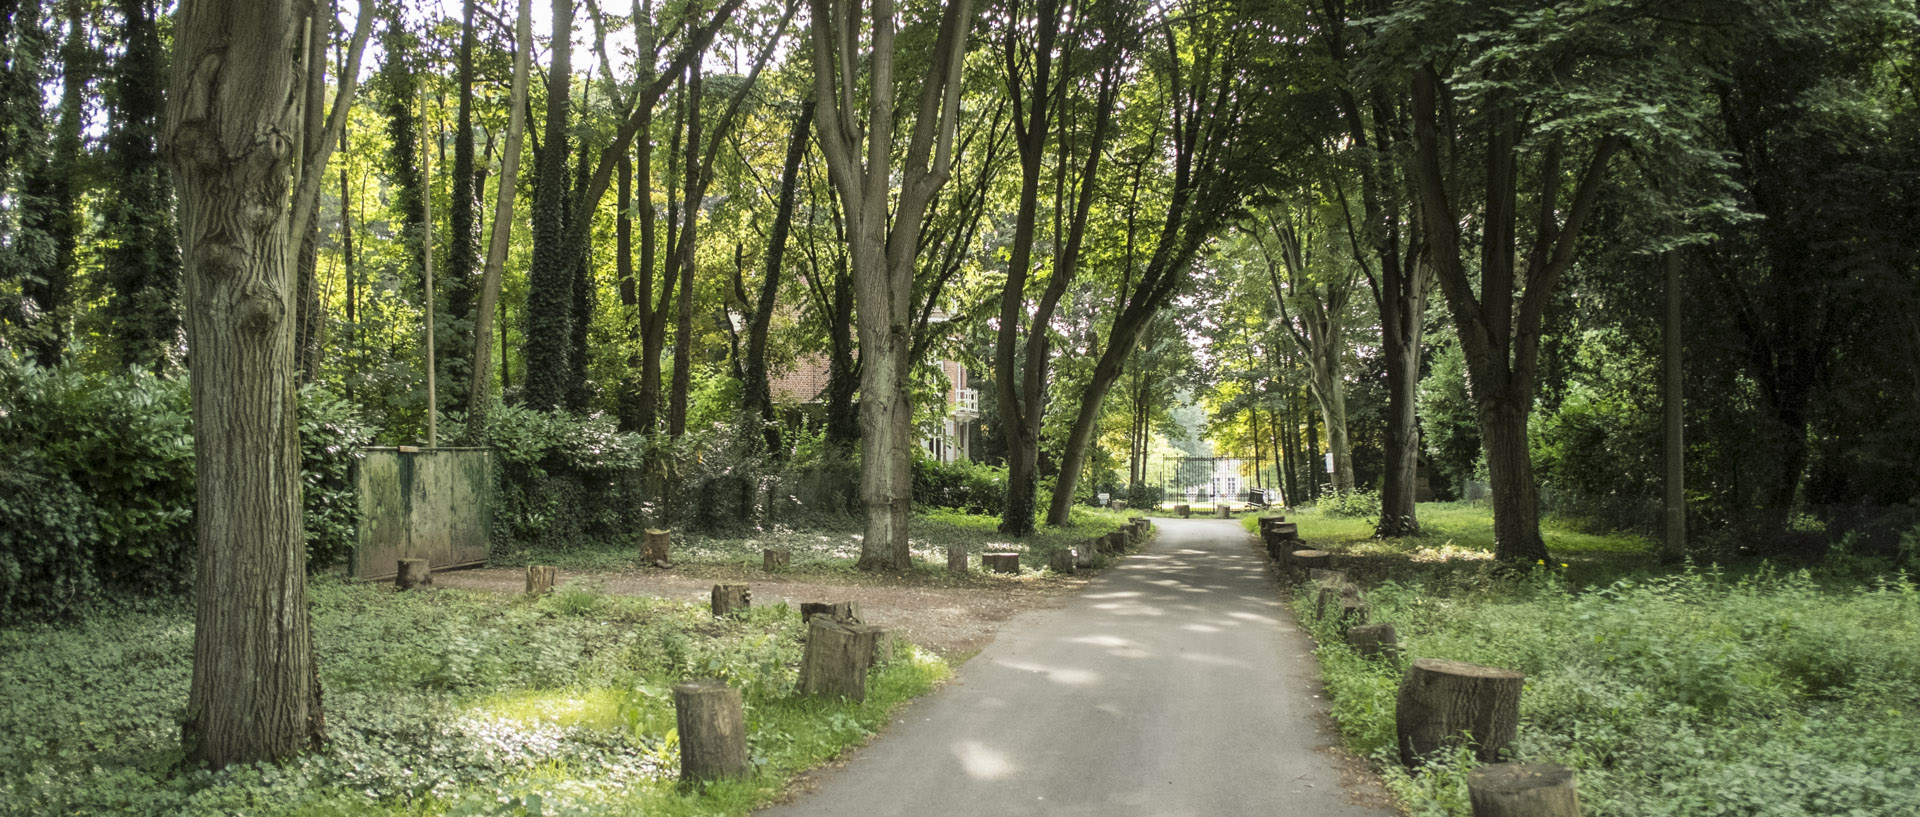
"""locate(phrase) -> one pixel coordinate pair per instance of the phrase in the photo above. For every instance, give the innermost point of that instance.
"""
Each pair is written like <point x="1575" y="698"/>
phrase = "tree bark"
<point x="1672" y="420"/>
<point x="1523" y="790"/>
<point x="143" y="261"/>
<point x="1440" y="699"/>
<point x="883" y="245"/>
<point x="712" y="724"/>
<point x="230" y="135"/>
<point x="836" y="659"/>
<point x="478" y="392"/>
<point x="456" y="334"/>
<point x="729" y="599"/>
<point x="757" y="392"/>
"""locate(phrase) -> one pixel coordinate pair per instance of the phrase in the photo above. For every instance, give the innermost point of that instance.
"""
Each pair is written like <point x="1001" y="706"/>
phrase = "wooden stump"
<point x="713" y="731"/>
<point x="1304" y="561"/>
<point x="1064" y="561"/>
<point x="1083" y="556"/>
<point x="1288" y="531"/>
<point x="1523" y="790"/>
<point x="1183" y="510"/>
<point x="1375" y="641"/>
<point x="1353" y="612"/>
<point x="1331" y="596"/>
<point x="1118" y="505"/>
<point x="836" y="660"/>
<point x="729" y="599"/>
<point x="956" y="557"/>
<point x="658" y="550"/>
<point x="540" y="579"/>
<point x="845" y="612"/>
<point x="413" y="573"/>
<point x="1224" y="510"/>
<point x="1441" y="698"/>
<point x="1000" y="562"/>
<point x="774" y="560"/>
<point x="1117" y="541"/>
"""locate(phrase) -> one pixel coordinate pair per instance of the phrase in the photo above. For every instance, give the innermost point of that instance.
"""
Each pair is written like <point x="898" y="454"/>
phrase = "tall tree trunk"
<point x="255" y="694"/>
<point x="549" y="312"/>
<point x="688" y="247"/>
<point x="53" y="205"/>
<point x="757" y="403"/>
<point x="143" y="260"/>
<point x="456" y="340"/>
<point x="883" y="244"/>
<point x="579" y="390"/>
<point x="1672" y="419"/>
<point x="478" y="398"/>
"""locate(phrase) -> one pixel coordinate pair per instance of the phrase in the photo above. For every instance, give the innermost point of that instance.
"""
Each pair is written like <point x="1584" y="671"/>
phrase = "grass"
<point x="1672" y="693"/>
<point x="829" y="547"/>
<point x="438" y="703"/>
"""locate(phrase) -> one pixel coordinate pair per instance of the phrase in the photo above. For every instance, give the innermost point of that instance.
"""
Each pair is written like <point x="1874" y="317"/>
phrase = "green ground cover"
<point x="437" y="703"/>
<point x="831" y="545"/>
<point x="1692" y="691"/>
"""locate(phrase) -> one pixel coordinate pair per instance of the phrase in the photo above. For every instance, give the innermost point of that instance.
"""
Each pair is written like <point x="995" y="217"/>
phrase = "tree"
<point x="1220" y="144"/>
<point x="1546" y="94"/>
<point x="1020" y="362"/>
<point x="1313" y="293"/>
<point x="477" y="389"/>
<point x="883" y="242"/>
<point x="1386" y="244"/>
<point x="143" y="256"/>
<point x="230" y="136"/>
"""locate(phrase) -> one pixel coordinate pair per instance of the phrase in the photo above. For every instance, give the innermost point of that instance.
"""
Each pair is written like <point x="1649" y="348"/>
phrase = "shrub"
<point x="1352" y="504"/>
<point x="961" y="485"/>
<point x="113" y="456"/>
<point x="47" y="533"/>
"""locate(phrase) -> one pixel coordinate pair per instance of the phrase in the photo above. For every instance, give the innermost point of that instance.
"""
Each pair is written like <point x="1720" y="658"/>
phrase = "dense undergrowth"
<point x="1688" y="692"/>
<point x="437" y="703"/>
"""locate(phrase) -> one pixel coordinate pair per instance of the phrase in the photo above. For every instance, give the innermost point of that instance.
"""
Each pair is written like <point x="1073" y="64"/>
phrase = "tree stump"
<point x="845" y="612"/>
<point x="774" y="560"/>
<point x="1083" y="556"/>
<point x="1441" y="698"/>
<point x="540" y="579"/>
<point x="1117" y="541"/>
<point x="836" y="660"/>
<point x="413" y="573"/>
<point x="1140" y="530"/>
<point x="658" y="548"/>
<point x="1353" y="612"/>
<point x="1331" y="596"/>
<point x="1118" y="505"/>
<point x="729" y="599"/>
<point x="1375" y="641"/>
<point x="1183" y="510"/>
<point x="1523" y="790"/>
<point x="1225" y="510"/>
<point x="1000" y="562"/>
<point x="1064" y="561"/>
<point x="956" y="557"/>
<point x="1304" y="561"/>
<point x="1287" y="531"/>
<point x="713" y="731"/>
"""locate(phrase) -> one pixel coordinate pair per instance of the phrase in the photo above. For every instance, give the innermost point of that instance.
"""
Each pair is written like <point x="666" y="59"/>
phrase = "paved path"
<point x="1174" y="686"/>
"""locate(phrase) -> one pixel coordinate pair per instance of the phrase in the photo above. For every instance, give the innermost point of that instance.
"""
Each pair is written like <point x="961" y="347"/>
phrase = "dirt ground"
<point x="953" y="621"/>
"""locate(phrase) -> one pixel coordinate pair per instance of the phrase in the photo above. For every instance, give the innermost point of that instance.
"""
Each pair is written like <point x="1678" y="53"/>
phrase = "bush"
<point x="113" y="454"/>
<point x="961" y="485"/>
<point x="1355" y="504"/>
<point x="1146" y="496"/>
<point x="47" y="533"/>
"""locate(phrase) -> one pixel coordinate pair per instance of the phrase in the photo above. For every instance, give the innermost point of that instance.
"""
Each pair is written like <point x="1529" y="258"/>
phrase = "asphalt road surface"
<point x="1174" y="685"/>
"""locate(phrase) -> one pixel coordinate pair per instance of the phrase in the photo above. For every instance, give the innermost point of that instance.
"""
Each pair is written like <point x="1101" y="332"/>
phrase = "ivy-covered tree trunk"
<point x="142" y="263"/>
<point x="50" y="211"/>
<point x="230" y="136"/>
<point x="549" y="327"/>
<point x="454" y="347"/>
